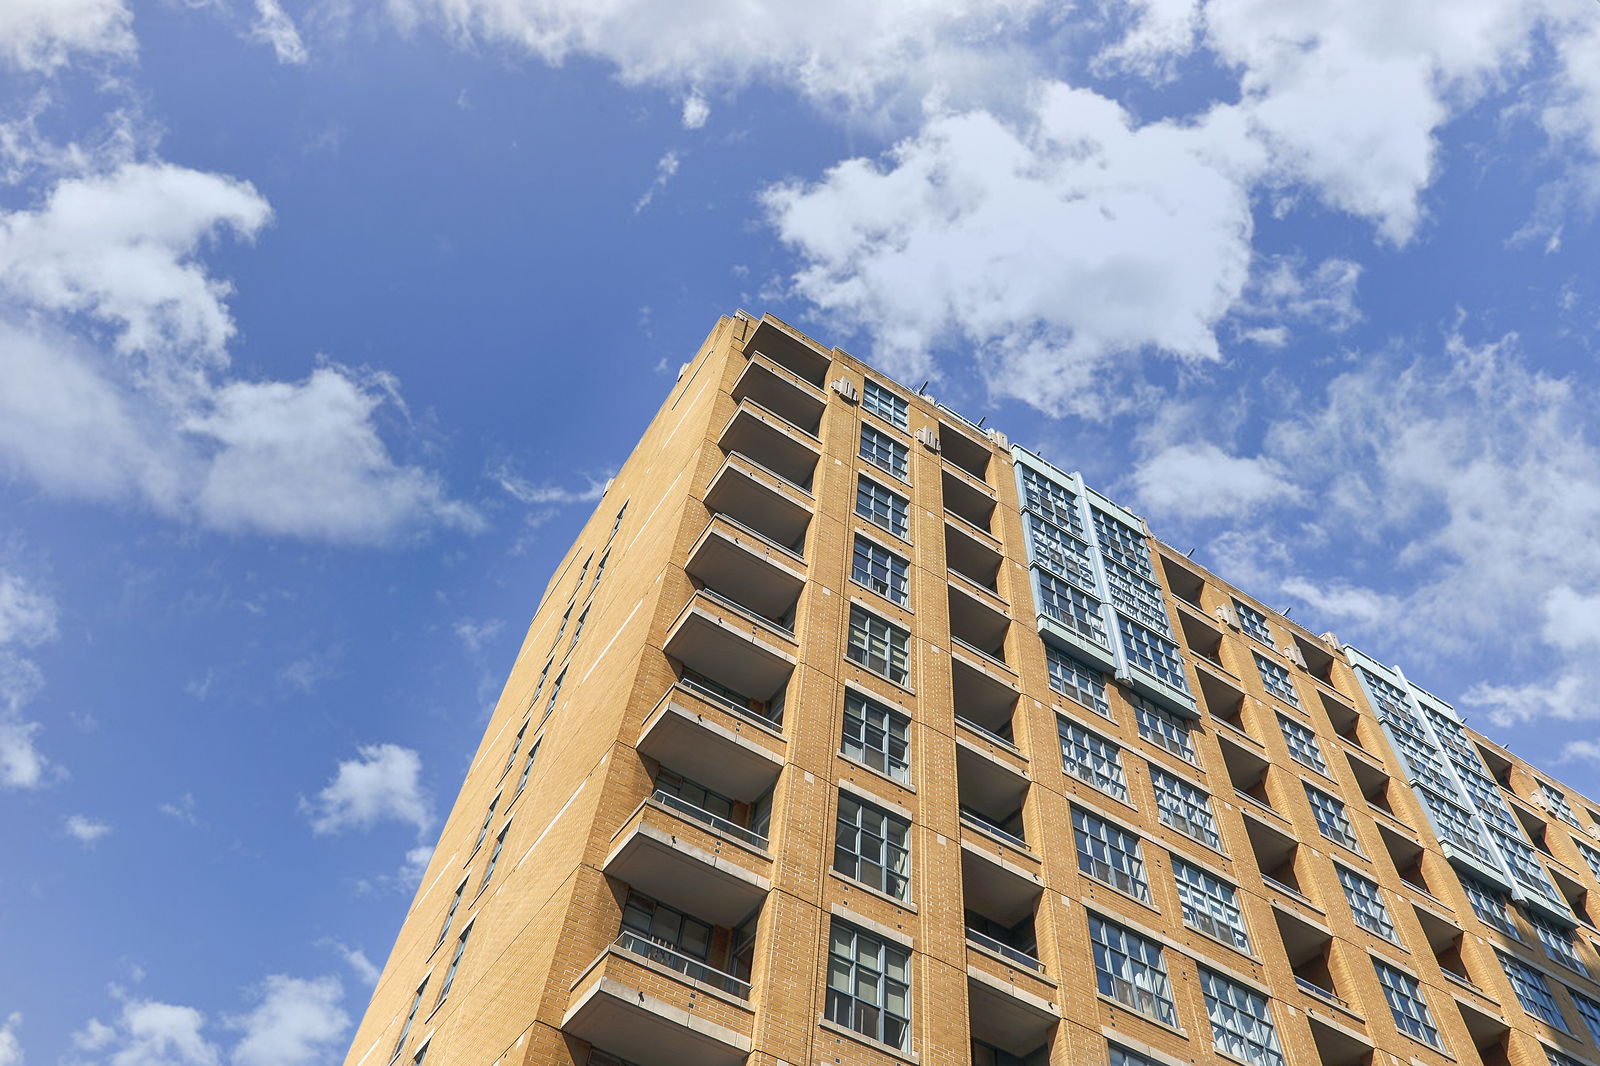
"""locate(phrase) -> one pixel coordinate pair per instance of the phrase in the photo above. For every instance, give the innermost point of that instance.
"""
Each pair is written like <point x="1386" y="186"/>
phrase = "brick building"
<point x="848" y="732"/>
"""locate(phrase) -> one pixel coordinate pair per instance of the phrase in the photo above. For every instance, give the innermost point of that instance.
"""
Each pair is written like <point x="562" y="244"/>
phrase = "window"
<point x="1556" y="802"/>
<point x="1491" y="906"/>
<point x="885" y="404"/>
<point x="694" y="794"/>
<point x="1454" y="824"/>
<point x="883" y="451"/>
<point x="1185" y="808"/>
<point x="527" y="767"/>
<point x="1303" y="747"/>
<point x="664" y="926"/>
<point x="875" y="735"/>
<point x="1122" y="1057"/>
<point x="869" y="985"/>
<point x="1532" y="991"/>
<point x="494" y="856"/>
<point x="1076" y="681"/>
<point x="1556" y="1058"/>
<point x="879" y="646"/>
<point x="1210" y="904"/>
<point x="1410" y="1009"/>
<point x="1163" y="729"/>
<point x="411" y="1016"/>
<point x="1589" y="1011"/>
<point x="555" y="693"/>
<point x="1138" y="596"/>
<point x="533" y="699"/>
<point x="483" y="830"/>
<point x="1055" y="502"/>
<point x="561" y="630"/>
<point x="1154" y="654"/>
<point x="881" y="507"/>
<point x="1590" y="856"/>
<point x="1366" y="904"/>
<point x="516" y="746"/>
<point x="880" y="570"/>
<point x="422" y="1053"/>
<point x="1107" y="853"/>
<point x="1524" y="864"/>
<point x="1241" y="1024"/>
<point x="1092" y="759"/>
<point x="600" y="570"/>
<point x="1060" y="551"/>
<point x="1276" y="677"/>
<point x="618" y="523"/>
<point x="1558" y="943"/>
<point x="450" y="915"/>
<point x="1076" y="610"/>
<point x="1331" y="818"/>
<point x="873" y="846"/>
<point x="455" y="964"/>
<point x="578" y="630"/>
<point x="1121" y="543"/>
<point x="1128" y="968"/>
<point x="1253" y="622"/>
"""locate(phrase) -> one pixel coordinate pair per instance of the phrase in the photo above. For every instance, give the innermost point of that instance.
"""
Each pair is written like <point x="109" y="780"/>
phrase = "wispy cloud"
<point x="85" y="830"/>
<point x="666" y="167"/>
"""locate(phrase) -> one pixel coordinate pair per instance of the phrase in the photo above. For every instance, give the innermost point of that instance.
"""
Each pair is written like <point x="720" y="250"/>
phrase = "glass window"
<point x="1122" y="543"/>
<point x="455" y="964"/>
<point x="882" y="507"/>
<point x="450" y="915"/>
<point x="1590" y="856"/>
<point x="1331" y="818"/>
<point x="1129" y="969"/>
<point x="1078" y="682"/>
<point x="1303" y="747"/>
<point x="494" y="856"/>
<point x="1241" y="1024"/>
<point x="1454" y="824"/>
<point x="1138" y="596"/>
<point x="694" y="794"/>
<point x="1092" y="759"/>
<point x="534" y="699"/>
<point x="577" y="630"/>
<point x="527" y="767"/>
<point x="1589" y="1011"/>
<point x="1410" y="1009"/>
<point x="1210" y="904"/>
<point x="1558" y="943"/>
<point x="1525" y="865"/>
<point x="875" y="735"/>
<point x="1184" y="807"/>
<point x="1532" y="991"/>
<point x="411" y="1015"/>
<point x="1253" y="622"/>
<point x="666" y="926"/>
<point x="1076" y="610"/>
<point x="885" y="404"/>
<point x="483" y="830"/>
<point x="600" y="571"/>
<point x="1556" y="802"/>
<point x="618" y="523"/>
<point x="1487" y="799"/>
<point x="555" y="693"/>
<point x="1055" y="502"/>
<point x="1060" y="551"/>
<point x="1491" y="906"/>
<point x="883" y="451"/>
<point x="879" y="646"/>
<point x="1107" y="853"/>
<point x="1153" y="653"/>
<point x="1123" y="1057"/>
<point x="1556" y="1058"/>
<point x="1422" y="759"/>
<point x="1163" y="729"/>
<point x="1276" y="678"/>
<point x="869" y="985"/>
<point x="421" y="1055"/>
<point x="1366" y="904"/>
<point x="516" y="748"/>
<point x="873" y="846"/>
<point x="881" y="570"/>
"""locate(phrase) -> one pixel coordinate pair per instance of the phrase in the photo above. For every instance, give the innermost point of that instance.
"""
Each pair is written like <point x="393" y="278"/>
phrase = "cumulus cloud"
<point x="1052" y="248"/>
<point x="42" y="35"/>
<point x="1200" y="480"/>
<point x="382" y="784"/>
<point x="695" y="111"/>
<point x="85" y="830"/>
<point x="113" y="356"/>
<point x="274" y="27"/>
<point x="27" y="619"/>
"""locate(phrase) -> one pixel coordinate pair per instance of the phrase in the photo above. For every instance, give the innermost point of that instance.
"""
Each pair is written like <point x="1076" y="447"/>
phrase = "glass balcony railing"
<point x="691" y="968"/>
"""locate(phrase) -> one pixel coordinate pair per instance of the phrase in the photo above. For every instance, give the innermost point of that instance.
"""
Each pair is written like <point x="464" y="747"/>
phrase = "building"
<point x="850" y="733"/>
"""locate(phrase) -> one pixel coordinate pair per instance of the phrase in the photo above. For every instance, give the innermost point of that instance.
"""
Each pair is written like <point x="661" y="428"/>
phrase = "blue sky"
<point x="322" y="323"/>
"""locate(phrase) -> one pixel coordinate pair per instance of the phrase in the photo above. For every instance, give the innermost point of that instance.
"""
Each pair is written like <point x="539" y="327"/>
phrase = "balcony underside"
<point x="712" y="746"/>
<point x="688" y="867"/>
<point x="724" y="645"/>
<point x="643" y="1029"/>
<point x="1011" y="1018"/>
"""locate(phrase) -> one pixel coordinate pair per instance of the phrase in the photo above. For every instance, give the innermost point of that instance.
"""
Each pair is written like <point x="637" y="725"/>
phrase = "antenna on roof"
<point x="1286" y="611"/>
<point x="1190" y="553"/>
<point x="923" y="387"/>
<point x="982" y="420"/>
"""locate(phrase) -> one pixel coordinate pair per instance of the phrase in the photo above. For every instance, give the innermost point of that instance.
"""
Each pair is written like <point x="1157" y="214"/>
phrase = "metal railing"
<point x="756" y="533"/>
<point x="765" y="469"/>
<point x="1016" y="955"/>
<point x="987" y="734"/>
<point x="1288" y="890"/>
<point x="760" y="619"/>
<point x="1320" y="992"/>
<point x="715" y="821"/>
<point x="1461" y="979"/>
<point x="974" y="649"/>
<point x="763" y="412"/>
<point x="725" y="701"/>
<point x="985" y="825"/>
<point x="1257" y="801"/>
<point x="969" y="579"/>
<point x="691" y="968"/>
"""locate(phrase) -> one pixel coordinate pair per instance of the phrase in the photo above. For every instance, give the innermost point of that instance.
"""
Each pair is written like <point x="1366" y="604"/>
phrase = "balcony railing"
<point x="715" y="821"/>
<point x="1016" y="955"/>
<point x="691" y="968"/>
<point x="721" y="699"/>
<point x="985" y="585"/>
<point x="1288" y="890"/>
<point x="1320" y="992"/>
<point x="987" y="734"/>
<point x="765" y="469"/>
<point x="1461" y="979"/>
<point x="985" y="825"/>
<point x="759" y="619"/>
<point x="762" y="537"/>
<point x="974" y="649"/>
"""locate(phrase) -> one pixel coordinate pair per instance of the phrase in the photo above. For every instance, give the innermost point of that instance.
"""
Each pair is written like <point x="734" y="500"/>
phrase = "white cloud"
<point x="151" y="1033"/>
<point x="1343" y="601"/>
<point x="40" y="35"/>
<point x="10" y="1042"/>
<point x="383" y="784"/>
<point x="695" y="111"/>
<point x="86" y="831"/>
<point x="114" y="257"/>
<point x="1571" y="619"/>
<point x="1158" y="32"/>
<point x="357" y="960"/>
<point x="666" y="167"/>
<point x="184" y="810"/>
<point x="295" y="1023"/>
<point x="522" y="490"/>
<point x="1053" y="249"/>
<point x="476" y="634"/>
<point x="1200" y="480"/>
<point x="274" y="27"/>
<point x="1325" y="296"/>
<point x="27" y="619"/>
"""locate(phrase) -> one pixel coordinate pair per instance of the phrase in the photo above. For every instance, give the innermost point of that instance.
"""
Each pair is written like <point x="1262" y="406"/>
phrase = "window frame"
<point x="891" y="840"/>
<point x="885" y="453"/>
<point x="895" y="515"/>
<point x="1100" y="841"/>
<point x="865" y="564"/>
<point x="851" y="967"/>
<point x="894" y="730"/>
<point x="895" y="641"/>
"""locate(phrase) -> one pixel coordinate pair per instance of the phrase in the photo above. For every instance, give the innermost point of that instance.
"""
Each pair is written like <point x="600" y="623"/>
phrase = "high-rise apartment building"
<point x="848" y="732"/>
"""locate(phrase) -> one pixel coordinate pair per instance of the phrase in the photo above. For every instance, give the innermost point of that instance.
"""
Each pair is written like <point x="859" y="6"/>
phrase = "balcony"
<point x="1248" y="771"/>
<point x="740" y="563"/>
<point x="970" y="456"/>
<point x="788" y="349"/>
<point x="1223" y="697"/>
<point x="1309" y="946"/>
<point x="782" y="392"/>
<point x="656" y="1007"/>
<point x="773" y="442"/>
<point x="732" y="645"/>
<point x="1184" y="583"/>
<point x="1276" y="850"/>
<point x="968" y="503"/>
<point x="977" y="623"/>
<point x="691" y="859"/>
<point x="1337" y="1042"/>
<point x="1203" y="639"/>
<point x="1013" y="1005"/>
<point x="762" y="500"/>
<point x="977" y="559"/>
<point x="714" y="741"/>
